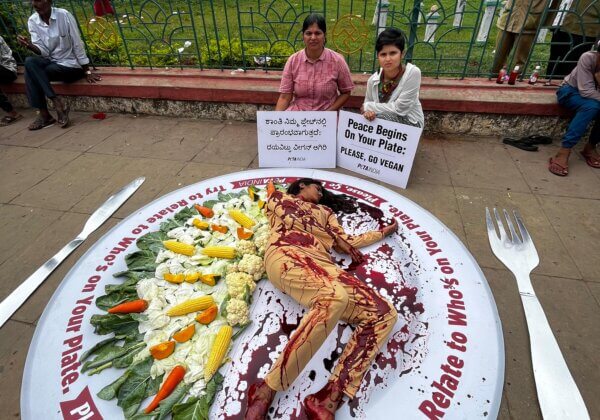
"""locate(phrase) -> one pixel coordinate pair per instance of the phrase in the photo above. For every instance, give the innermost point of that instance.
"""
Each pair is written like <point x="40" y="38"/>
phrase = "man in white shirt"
<point x="61" y="56"/>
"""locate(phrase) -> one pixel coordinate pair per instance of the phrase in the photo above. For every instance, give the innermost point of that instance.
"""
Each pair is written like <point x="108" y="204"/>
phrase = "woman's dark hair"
<point x="391" y="36"/>
<point x="336" y="202"/>
<point x="314" y="18"/>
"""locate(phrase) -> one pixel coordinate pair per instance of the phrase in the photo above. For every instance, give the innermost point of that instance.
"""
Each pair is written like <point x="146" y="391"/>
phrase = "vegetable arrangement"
<point x="172" y="319"/>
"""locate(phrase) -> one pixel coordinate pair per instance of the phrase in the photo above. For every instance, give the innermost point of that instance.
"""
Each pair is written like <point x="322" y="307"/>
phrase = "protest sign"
<point x="381" y="149"/>
<point x="296" y="139"/>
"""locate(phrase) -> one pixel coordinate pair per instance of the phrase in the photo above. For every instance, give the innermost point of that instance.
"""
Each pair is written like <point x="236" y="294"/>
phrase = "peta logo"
<point x="81" y="408"/>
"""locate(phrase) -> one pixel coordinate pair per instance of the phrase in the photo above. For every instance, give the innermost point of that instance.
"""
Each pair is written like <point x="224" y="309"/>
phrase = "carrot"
<point x="167" y="387"/>
<point x="134" y="306"/>
<point x="208" y="315"/>
<point x="219" y="228"/>
<point x="270" y="188"/>
<point x="243" y="233"/>
<point x="162" y="350"/>
<point x="204" y="211"/>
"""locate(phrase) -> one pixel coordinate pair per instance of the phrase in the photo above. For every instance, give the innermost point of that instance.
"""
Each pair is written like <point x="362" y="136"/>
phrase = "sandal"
<point x="592" y="161"/>
<point x="536" y="139"/>
<point x="520" y="144"/>
<point x="40" y="123"/>
<point x="63" y="116"/>
<point x="557" y="168"/>
<point x="9" y="120"/>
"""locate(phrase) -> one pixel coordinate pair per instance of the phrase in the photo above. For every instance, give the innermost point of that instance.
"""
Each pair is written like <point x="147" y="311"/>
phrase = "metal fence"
<point x="446" y="38"/>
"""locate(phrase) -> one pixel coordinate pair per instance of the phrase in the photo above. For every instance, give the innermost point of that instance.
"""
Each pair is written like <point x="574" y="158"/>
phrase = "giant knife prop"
<point x="14" y="301"/>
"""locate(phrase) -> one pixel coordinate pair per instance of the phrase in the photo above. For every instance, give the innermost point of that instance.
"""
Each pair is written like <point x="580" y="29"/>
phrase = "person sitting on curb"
<point x="61" y="56"/>
<point x="393" y="91"/>
<point x="580" y="92"/>
<point x="8" y="74"/>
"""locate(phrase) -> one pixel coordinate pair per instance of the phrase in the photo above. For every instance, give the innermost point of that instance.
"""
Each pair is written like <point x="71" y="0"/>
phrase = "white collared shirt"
<point x="404" y="100"/>
<point x="59" y="41"/>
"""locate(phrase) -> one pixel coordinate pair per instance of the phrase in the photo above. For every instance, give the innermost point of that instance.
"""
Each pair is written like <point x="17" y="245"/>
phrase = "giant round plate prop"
<point x="444" y="359"/>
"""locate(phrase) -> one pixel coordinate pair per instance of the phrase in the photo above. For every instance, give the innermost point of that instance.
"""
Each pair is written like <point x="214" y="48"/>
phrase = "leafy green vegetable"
<point x="144" y="260"/>
<point x="110" y="391"/>
<point x="138" y="386"/>
<point x="199" y="408"/>
<point x="241" y="330"/>
<point x="96" y="347"/>
<point x="166" y="406"/>
<point x="115" y="323"/>
<point x="152" y="241"/>
<point x="223" y="307"/>
<point x="185" y="214"/>
<point x="106" y="302"/>
<point x="229" y="196"/>
<point x="112" y="354"/>
<point x="210" y="203"/>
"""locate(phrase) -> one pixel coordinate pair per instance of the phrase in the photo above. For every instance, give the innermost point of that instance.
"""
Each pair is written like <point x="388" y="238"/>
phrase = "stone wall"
<point x="436" y="122"/>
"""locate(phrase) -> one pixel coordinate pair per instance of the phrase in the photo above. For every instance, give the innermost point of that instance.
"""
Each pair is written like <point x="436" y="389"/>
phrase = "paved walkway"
<point x="51" y="180"/>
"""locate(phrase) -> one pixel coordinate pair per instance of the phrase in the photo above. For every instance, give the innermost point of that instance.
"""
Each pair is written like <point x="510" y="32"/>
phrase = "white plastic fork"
<point x="557" y="392"/>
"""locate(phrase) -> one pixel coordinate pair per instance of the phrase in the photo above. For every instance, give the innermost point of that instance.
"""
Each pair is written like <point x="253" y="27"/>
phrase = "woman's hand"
<point x="369" y="115"/>
<point x="344" y="247"/>
<point x="391" y="228"/>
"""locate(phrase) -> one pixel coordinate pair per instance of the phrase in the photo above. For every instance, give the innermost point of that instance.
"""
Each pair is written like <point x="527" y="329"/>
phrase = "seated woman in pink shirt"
<point x="315" y="78"/>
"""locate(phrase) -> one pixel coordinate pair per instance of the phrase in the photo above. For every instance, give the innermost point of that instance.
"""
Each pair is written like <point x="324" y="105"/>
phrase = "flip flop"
<point x="557" y="169"/>
<point x="520" y="144"/>
<point x="536" y="139"/>
<point x="40" y="123"/>
<point x="591" y="160"/>
<point x="9" y="120"/>
<point x="63" y="117"/>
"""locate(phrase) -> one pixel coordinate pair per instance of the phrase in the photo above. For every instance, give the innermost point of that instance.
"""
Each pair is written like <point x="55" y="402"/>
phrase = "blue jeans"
<point x="586" y="111"/>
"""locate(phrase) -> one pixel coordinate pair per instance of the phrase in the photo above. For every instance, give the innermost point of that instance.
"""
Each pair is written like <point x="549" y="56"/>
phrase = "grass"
<point x="230" y="33"/>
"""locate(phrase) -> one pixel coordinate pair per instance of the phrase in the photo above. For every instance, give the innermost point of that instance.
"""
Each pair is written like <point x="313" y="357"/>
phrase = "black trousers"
<point x="6" y="77"/>
<point x="567" y="47"/>
<point x="39" y="72"/>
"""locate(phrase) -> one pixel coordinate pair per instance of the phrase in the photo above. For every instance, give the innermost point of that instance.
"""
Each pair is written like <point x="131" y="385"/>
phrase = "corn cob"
<point x="241" y="218"/>
<point x="193" y="277"/>
<point x="180" y="247"/>
<point x="219" y="252"/>
<point x="218" y="351"/>
<point x="200" y="224"/>
<point x="174" y="278"/>
<point x="191" y="305"/>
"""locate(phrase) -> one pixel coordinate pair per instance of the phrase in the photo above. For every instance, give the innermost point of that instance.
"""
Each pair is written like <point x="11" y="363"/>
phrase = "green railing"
<point x="446" y="38"/>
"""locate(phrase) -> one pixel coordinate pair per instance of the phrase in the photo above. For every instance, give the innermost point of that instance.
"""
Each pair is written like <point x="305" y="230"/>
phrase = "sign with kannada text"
<point x="381" y="149"/>
<point x="296" y="139"/>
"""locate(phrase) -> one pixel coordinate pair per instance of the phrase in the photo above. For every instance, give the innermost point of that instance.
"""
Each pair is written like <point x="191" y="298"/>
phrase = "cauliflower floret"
<point x="232" y="268"/>
<point x="237" y="312"/>
<point x="237" y="283"/>
<point x="253" y="265"/>
<point x="245" y="247"/>
<point x="261" y="236"/>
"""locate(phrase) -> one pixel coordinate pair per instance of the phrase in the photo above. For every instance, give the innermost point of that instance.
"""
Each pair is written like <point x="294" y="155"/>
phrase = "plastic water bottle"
<point x="501" y="76"/>
<point x="513" y="75"/>
<point x="534" y="76"/>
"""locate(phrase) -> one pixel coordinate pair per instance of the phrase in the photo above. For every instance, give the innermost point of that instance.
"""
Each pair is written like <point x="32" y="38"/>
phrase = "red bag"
<point x="103" y="7"/>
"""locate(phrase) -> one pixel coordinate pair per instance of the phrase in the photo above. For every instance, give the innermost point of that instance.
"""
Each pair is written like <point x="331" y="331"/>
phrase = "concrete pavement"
<point x="52" y="179"/>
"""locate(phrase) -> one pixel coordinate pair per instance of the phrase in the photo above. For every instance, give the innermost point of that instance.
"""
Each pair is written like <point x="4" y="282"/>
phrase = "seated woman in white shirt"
<point x="393" y="91"/>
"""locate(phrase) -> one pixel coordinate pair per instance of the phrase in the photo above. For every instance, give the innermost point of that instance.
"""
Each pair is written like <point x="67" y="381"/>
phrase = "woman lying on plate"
<point x="393" y="91"/>
<point x="304" y="228"/>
